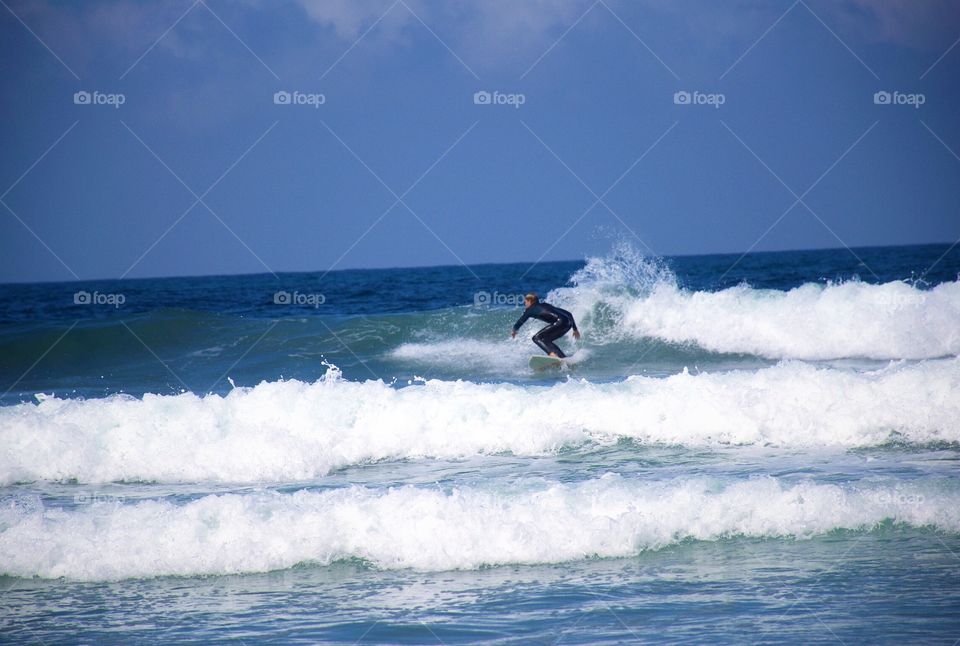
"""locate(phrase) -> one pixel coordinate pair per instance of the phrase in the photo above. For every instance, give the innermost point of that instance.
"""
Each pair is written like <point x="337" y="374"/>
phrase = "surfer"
<point x="560" y="322"/>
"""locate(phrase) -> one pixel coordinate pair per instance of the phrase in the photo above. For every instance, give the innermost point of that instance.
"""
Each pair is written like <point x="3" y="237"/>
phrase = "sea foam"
<point x="433" y="529"/>
<point x="626" y="296"/>
<point x="291" y="430"/>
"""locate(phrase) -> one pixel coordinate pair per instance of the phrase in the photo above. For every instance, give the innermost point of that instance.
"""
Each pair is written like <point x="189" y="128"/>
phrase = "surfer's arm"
<point x="520" y="321"/>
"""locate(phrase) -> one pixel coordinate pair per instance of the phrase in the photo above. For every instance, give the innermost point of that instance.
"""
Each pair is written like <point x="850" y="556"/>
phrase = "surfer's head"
<point x="531" y="299"/>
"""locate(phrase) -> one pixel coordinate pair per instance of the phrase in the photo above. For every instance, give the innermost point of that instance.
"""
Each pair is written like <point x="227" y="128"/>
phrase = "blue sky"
<point x="199" y="171"/>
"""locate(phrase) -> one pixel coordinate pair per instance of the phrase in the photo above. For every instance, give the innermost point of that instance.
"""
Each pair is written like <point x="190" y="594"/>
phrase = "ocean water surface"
<point x="759" y="449"/>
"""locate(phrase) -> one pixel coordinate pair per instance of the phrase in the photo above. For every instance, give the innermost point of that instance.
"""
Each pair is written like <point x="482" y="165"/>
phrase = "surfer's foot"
<point x="554" y="355"/>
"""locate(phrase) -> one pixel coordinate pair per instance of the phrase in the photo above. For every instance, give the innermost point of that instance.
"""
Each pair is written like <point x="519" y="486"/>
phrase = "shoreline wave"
<point x="433" y="530"/>
<point x="292" y="430"/>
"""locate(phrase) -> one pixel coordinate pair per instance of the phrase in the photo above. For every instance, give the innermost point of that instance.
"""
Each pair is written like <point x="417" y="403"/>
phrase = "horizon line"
<point x="457" y="265"/>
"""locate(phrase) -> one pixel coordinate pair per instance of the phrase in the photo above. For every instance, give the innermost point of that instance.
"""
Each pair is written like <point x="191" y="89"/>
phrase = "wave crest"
<point x="625" y="296"/>
<point x="291" y="430"/>
<point x="429" y="529"/>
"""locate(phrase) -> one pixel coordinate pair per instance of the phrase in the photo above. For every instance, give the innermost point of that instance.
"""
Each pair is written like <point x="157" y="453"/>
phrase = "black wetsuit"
<point x="560" y="322"/>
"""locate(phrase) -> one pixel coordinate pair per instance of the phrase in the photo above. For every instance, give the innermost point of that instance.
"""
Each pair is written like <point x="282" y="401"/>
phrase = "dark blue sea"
<point x="760" y="448"/>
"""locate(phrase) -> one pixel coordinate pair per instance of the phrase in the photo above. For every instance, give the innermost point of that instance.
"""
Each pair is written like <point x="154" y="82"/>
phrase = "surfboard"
<point x="543" y="362"/>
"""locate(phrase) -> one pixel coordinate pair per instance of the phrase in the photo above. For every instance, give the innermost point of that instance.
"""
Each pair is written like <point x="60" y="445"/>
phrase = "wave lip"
<point x="428" y="529"/>
<point x="294" y="431"/>
<point x="625" y="296"/>
<point x="848" y="320"/>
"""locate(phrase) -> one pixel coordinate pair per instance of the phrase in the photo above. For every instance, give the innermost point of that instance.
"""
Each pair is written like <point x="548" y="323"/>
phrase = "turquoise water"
<point x="764" y="454"/>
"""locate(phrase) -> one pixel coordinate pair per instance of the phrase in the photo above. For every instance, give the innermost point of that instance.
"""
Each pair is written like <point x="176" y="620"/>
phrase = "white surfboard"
<point x="543" y="362"/>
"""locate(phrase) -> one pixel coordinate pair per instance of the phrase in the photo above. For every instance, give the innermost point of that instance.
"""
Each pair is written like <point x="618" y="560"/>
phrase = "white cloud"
<point x="495" y="33"/>
<point x="918" y="24"/>
<point x="349" y="18"/>
<point x="482" y="32"/>
<point x="486" y="33"/>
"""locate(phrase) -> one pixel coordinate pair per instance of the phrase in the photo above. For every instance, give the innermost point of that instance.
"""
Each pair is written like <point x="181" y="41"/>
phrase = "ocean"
<point x="756" y="449"/>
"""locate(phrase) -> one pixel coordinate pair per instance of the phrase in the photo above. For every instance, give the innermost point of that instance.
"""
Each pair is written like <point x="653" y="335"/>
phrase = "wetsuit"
<point x="560" y="322"/>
